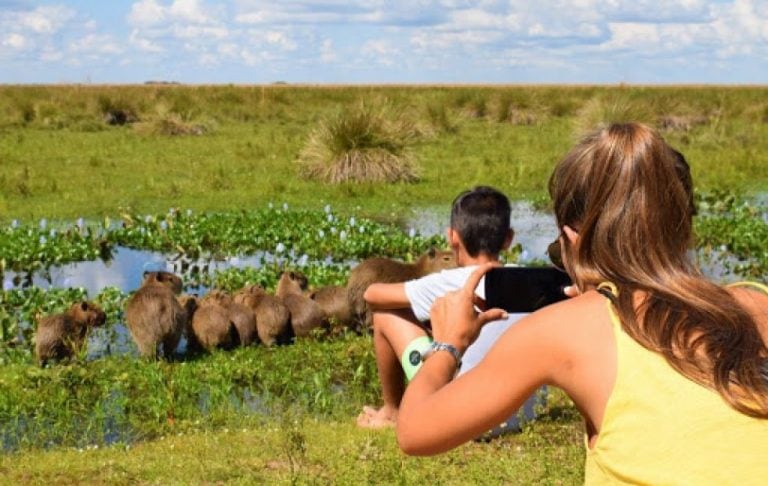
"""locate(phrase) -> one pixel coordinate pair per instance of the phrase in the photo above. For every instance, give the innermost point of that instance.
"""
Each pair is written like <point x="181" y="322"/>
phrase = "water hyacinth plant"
<point x="362" y="144"/>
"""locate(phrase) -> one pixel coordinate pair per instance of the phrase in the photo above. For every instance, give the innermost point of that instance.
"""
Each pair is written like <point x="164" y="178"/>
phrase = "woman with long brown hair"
<point x="667" y="369"/>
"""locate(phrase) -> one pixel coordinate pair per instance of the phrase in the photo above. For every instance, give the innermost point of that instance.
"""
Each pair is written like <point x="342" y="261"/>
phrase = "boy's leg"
<point x="393" y="331"/>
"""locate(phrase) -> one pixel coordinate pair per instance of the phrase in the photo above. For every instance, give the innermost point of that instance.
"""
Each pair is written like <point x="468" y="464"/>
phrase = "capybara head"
<point x="189" y="302"/>
<point x="216" y="296"/>
<point x="87" y="313"/>
<point x="292" y="281"/>
<point x="168" y="279"/>
<point x="435" y="260"/>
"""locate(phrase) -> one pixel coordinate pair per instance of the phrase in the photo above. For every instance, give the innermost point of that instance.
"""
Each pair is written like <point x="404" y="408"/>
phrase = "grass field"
<point x="58" y="157"/>
<point x="229" y="148"/>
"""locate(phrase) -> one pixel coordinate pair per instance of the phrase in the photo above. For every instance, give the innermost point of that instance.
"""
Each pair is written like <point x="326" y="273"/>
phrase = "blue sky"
<point x="377" y="41"/>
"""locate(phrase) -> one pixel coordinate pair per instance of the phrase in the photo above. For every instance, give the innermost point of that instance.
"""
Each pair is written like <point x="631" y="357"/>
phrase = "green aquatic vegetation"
<point x="734" y="231"/>
<point x="125" y="399"/>
<point x="31" y="247"/>
<point x="278" y="231"/>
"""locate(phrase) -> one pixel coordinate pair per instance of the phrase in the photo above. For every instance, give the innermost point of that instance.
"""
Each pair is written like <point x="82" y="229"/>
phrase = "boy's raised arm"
<point x="383" y="296"/>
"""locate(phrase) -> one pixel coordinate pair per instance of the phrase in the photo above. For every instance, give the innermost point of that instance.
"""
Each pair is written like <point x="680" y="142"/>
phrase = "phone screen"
<point x="524" y="289"/>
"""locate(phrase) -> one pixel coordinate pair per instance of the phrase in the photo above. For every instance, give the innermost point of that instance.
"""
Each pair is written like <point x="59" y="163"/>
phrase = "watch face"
<point x="414" y="357"/>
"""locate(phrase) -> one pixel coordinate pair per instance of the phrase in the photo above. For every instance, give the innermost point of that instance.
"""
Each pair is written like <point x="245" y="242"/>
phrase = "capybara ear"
<point x="84" y="306"/>
<point x="146" y="272"/>
<point x="432" y="252"/>
<point x="292" y="275"/>
<point x="195" y="295"/>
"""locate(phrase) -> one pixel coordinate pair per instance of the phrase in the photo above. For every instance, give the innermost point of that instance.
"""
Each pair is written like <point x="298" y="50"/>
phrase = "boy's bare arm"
<point x="383" y="296"/>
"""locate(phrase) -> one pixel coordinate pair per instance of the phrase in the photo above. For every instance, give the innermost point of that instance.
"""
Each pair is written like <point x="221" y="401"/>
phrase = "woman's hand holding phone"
<point x="454" y="317"/>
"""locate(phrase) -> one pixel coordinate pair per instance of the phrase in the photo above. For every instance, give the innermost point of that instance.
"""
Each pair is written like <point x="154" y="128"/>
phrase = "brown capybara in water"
<point x="241" y="316"/>
<point x="334" y="303"/>
<point x="154" y="315"/>
<point x="273" y="321"/>
<point x="306" y="315"/>
<point x="62" y="335"/>
<point x="386" y="270"/>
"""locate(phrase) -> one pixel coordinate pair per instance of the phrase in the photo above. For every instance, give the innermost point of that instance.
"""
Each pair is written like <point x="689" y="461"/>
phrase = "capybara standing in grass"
<point x="273" y="321"/>
<point x="211" y="327"/>
<point x="334" y="303"/>
<point x="63" y="335"/>
<point x="154" y="315"/>
<point x="386" y="270"/>
<point x="306" y="315"/>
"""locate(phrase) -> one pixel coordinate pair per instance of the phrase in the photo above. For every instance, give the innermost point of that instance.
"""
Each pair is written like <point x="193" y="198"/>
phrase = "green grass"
<point x="58" y="158"/>
<point x="308" y="451"/>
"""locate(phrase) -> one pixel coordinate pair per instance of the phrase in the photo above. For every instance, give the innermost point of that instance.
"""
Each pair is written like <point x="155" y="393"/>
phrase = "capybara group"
<point x="154" y="315"/>
<point x="306" y="315"/>
<point x="273" y="321"/>
<point x="386" y="270"/>
<point x="62" y="335"/>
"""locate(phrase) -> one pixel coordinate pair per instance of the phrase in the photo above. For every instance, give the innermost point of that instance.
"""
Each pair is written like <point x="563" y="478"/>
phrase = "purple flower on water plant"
<point x="352" y="221"/>
<point x="362" y="229"/>
<point x="343" y="235"/>
<point x="80" y="222"/>
<point x="7" y="285"/>
<point x="303" y="260"/>
<point x="43" y="240"/>
<point x="330" y="218"/>
<point x="321" y="234"/>
<point x="333" y="230"/>
<point x="148" y="219"/>
<point x="163" y="225"/>
<point x="271" y="205"/>
<point x="52" y="233"/>
<point x="327" y="209"/>
<point x="15" y="223"/>
<point x="411" y="233"/>
<point x="189" y="212"/>
<point x="43" y="223"/>
<point x="280" y="248"/>
<point x="285" y="206"/>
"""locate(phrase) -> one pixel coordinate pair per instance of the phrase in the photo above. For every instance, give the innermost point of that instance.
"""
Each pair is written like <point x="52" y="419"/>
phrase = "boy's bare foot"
<point x="370" y="418"/>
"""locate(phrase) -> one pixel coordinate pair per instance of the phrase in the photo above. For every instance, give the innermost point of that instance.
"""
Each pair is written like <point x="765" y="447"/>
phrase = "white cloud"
<point x="44" y="20"/>
<point x="327" y="52"/>
<point x="144" y="44"/>
<point x="96" y="44"/>
<point x="146" y="12"/>
<point x="15" y="41"/>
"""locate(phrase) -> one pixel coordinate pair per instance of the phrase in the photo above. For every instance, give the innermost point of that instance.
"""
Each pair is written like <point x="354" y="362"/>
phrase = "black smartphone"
<point x="524" y="289"/>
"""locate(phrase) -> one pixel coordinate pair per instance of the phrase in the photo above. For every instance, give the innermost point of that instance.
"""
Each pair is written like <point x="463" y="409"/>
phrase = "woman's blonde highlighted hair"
<point x="629" y="196"/>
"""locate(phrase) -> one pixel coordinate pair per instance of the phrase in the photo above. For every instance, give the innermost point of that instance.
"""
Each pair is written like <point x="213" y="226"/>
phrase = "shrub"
<point x="364" y="144"/>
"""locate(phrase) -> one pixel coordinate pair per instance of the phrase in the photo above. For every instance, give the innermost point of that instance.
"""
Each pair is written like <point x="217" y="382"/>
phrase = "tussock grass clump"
<point x="363" y="144"/>
<point x="602" y="111"/>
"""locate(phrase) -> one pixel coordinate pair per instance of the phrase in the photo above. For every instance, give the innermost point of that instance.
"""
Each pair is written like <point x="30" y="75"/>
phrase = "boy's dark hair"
<point x="481" y="218"/>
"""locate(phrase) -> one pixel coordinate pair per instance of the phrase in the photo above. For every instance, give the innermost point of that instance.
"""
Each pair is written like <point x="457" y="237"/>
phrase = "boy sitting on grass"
<point x="479" y="231"/>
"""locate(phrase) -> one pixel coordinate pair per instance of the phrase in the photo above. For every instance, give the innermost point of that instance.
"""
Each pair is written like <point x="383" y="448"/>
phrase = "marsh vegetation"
<point x="89" y="171"/>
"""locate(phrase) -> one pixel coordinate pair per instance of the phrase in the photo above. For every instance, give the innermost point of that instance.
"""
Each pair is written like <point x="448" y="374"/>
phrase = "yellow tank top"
<point x="661" y="428"/>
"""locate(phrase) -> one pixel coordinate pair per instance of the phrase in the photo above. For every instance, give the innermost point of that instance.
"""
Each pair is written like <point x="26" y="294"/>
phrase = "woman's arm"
<point x="437" y="414"/>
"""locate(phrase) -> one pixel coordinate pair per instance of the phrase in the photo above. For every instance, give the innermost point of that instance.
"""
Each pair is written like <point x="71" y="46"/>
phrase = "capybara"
<point x="190" y="303"/>
<point x="306" y="315"/>
<point x="334" y="303"/>
<point x="273" y="321"/>
<point x="211" y="327"/>
<point x="62" y="335"/>
<point x="386" y="270"/>
<point x="241" y="316"/>
<point x="154" y="315"/>
<point x="171" y="280"/>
